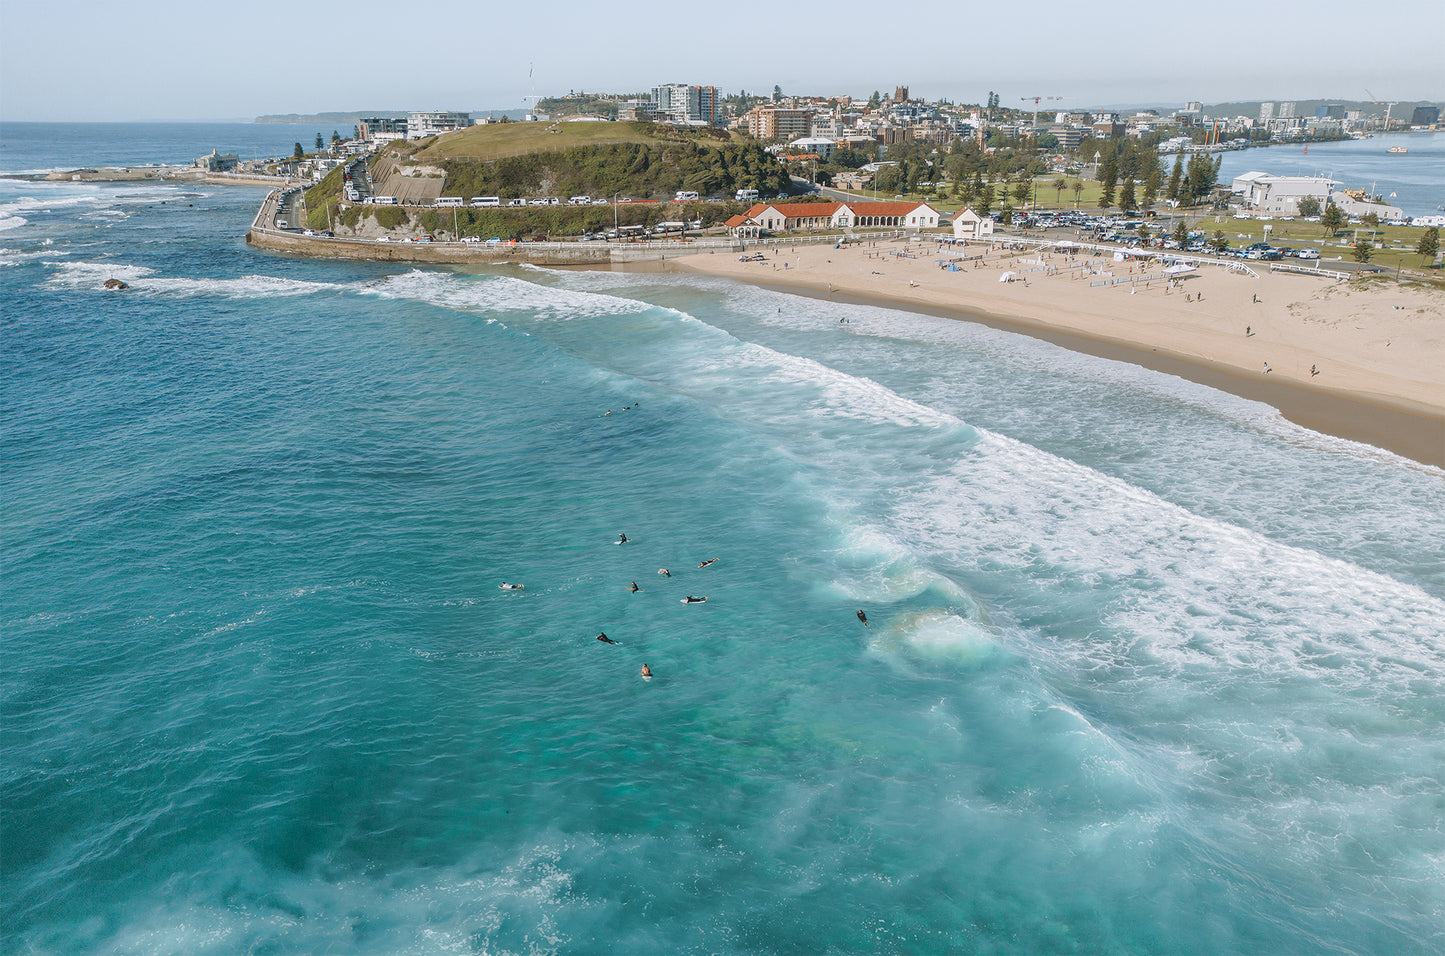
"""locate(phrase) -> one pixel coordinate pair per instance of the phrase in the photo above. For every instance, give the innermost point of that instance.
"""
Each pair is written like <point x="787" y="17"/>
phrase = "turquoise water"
<point x="1148" y="669"/>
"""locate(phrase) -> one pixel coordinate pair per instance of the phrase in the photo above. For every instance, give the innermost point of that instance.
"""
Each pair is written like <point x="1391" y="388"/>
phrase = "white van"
<point x="685" y="197"/>
<point x="579" y="201"/>
<point x="746" y="195"/>
<point x="487" y="201"/>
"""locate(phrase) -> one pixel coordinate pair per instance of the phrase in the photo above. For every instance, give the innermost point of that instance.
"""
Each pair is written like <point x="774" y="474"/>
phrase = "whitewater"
<point x="1147" y="668"/>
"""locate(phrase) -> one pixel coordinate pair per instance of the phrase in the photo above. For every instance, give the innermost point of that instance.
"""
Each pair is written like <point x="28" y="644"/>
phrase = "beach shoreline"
<point x="1389" y="392"/>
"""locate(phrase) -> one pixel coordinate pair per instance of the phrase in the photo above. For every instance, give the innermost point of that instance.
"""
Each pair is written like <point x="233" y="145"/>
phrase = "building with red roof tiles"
<point x="793" y="217"/>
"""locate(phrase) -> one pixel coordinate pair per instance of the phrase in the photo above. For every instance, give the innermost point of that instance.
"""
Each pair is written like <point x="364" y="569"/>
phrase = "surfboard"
<point x="698" y="601"/>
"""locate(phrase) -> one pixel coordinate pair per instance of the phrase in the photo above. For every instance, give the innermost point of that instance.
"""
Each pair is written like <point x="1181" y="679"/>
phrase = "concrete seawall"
<point x="533" y="253"/>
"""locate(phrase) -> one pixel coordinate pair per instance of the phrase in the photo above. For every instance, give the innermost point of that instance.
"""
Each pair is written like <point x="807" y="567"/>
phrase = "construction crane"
<point x="1036" y="99"/>
<point x="1388" y="106"/>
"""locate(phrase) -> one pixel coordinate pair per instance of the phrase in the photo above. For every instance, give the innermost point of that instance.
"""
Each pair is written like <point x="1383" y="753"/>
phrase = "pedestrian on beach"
<point x="1267" y="368"/>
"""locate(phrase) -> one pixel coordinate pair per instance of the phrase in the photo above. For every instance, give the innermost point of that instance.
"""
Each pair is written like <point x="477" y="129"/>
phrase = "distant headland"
<point x="352" y="118"/>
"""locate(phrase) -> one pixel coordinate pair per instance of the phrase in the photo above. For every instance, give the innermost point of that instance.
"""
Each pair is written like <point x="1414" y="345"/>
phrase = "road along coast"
<point x="1363" y="362"/>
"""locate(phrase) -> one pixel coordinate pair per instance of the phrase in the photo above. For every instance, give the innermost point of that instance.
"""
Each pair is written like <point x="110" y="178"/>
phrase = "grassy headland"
<point x="640" y="161"/>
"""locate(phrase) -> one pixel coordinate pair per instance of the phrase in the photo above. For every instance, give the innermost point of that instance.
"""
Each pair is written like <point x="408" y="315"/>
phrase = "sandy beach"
<point x="1364" y="363"/>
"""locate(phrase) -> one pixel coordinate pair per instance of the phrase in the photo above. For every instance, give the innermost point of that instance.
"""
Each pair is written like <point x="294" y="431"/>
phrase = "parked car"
<point x="1308" y="254"/>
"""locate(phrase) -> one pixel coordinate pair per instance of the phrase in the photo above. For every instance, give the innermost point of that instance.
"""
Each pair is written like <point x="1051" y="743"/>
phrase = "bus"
<point x="450" y="201"/>
<point x="487" y="201"/>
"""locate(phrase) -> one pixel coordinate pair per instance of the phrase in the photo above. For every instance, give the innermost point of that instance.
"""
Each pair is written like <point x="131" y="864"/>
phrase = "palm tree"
<point x="1059" y="186"/>
<point x="1078" y="188"/>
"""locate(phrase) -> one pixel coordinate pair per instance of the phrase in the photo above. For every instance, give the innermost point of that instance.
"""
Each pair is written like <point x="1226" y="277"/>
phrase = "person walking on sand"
<point x="1267" y="368"/>
<point x="1313" y="371"/>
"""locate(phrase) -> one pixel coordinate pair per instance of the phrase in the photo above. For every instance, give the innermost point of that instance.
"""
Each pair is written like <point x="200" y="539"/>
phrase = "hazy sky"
<point x="91" y="60"/>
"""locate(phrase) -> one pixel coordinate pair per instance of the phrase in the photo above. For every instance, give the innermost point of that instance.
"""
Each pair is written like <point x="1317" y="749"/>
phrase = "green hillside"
<point x="639" y="160"/>
<point x="496" y="140"/>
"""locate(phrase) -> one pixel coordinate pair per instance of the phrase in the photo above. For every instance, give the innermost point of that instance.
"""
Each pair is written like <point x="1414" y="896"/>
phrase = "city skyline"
<point x="212" y="65"/>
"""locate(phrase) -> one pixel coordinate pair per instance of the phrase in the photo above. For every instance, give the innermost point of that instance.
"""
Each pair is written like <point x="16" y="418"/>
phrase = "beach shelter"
<point x="1006" y="277"/>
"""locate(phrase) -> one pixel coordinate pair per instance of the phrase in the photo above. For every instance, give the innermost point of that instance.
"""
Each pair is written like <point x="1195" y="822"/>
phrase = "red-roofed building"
<point x="792" y="217"/>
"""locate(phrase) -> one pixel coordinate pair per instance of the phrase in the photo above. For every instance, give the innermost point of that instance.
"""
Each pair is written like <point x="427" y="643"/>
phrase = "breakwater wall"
<point x="533" y="253"/>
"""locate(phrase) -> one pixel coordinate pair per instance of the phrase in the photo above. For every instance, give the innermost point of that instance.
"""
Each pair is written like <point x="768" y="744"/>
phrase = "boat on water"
<point x="1398" y="149"/>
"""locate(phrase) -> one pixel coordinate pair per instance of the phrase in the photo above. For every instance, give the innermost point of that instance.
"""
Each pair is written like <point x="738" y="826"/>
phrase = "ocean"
<point x="1146" y="669"/>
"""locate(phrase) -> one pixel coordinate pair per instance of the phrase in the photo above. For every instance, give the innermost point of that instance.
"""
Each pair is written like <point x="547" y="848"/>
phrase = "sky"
<point x="86" y="60"/>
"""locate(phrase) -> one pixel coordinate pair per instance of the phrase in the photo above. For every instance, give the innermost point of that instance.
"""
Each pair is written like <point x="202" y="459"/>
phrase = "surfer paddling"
<point x="664" y="572"/>
<point x="509" y="587"/>
<point x="605" y="639"/>
<point x="694" y="600"/>
<point x="706" y="563"/>
<point x="863" y="617"/>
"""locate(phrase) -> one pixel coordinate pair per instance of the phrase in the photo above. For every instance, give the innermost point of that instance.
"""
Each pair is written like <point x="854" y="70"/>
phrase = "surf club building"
<point x="809" y="216"/>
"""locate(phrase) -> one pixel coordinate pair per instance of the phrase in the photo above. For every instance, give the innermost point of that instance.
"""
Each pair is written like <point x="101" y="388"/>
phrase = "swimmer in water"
<point x="863" y="617"/>
<point x="664" y="572"/>
<point x="634" y="588"/>
<point x="646" y="672"/>
<point x="605" y="639"/>
<point x="706" y="563"/>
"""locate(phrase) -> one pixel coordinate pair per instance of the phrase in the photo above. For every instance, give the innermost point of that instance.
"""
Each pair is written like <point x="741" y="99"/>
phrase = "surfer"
<point x="509" y="587"/>
<point x="605" y="639"/>
<point x="634" y="588"/>
<point x="863" y="617"/>
<point x="646" y="672"/>
<point x="664" y="572"/>
<point x="705" y="563"/>
<point x="694" y="600"/>
<point x="621" y="538"/>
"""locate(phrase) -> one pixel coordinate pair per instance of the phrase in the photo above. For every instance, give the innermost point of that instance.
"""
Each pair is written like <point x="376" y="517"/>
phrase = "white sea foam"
<point x="1189" y="592"/>
<point x="11" y="222"/>
<point x="500" y="294"/>
<point x="510" y="906"/>
<point x="935" y="635"/>
<point x="81" y="275"/>
<point x="14" y="257"/>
